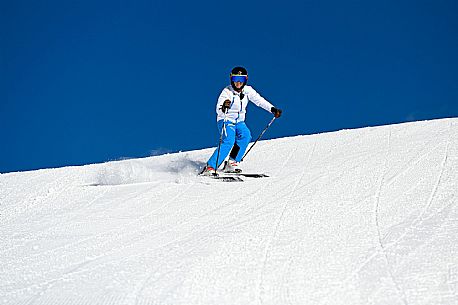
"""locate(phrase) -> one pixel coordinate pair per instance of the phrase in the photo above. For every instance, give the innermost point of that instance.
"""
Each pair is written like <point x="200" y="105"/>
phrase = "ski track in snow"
<point x="280" y="218"/>
<point x="376" y="213"/>
<point x="365" y="216"/>
<point x="415" y="223"/>
<point x="79" y="268"/>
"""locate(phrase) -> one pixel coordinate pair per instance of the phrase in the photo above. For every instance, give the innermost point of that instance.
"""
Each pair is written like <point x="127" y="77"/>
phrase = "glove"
<point x="276" y="112"/>
<point x="226" y="105"/>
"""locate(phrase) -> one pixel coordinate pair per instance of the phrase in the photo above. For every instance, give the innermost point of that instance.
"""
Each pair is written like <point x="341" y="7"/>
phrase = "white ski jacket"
<point x="237" y="111"/>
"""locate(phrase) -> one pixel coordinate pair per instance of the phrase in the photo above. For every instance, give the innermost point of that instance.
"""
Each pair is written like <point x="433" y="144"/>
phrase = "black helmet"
<point x="239" y="71"/>
<point x="242" y="74"/>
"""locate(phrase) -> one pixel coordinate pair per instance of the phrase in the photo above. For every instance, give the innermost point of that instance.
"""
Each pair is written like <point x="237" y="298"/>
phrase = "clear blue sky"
<point x="91" y="81"/>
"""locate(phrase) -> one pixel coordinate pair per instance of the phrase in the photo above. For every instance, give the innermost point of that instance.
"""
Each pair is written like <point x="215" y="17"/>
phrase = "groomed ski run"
<point x="364" y="216"/>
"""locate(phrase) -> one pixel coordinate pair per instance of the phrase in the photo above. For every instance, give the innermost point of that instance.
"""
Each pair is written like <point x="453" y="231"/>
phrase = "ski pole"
<point x="223" y="129"/>
<point x="268" y="125"/>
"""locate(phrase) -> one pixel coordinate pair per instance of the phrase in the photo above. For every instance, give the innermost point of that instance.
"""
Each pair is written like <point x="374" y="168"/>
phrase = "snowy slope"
<point x="366" y="216"/>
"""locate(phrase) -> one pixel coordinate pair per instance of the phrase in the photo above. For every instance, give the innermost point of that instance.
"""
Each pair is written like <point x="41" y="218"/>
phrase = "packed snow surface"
<point x="365" y="216"/>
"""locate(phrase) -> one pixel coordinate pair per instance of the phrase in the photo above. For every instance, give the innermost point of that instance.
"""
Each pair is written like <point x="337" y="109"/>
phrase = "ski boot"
<point x="208" y="171"/>
<point x="231" y="166"/>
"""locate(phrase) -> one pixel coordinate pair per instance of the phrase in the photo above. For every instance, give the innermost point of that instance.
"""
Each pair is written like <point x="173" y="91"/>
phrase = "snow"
<point x="364" y="216"/>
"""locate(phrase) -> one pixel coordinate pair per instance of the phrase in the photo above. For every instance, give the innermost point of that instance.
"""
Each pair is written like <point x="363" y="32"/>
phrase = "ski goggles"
<point x="239" y="78"/>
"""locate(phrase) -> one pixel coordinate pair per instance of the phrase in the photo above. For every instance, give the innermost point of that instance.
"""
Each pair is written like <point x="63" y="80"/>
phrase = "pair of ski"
<point x="234" y="177"/>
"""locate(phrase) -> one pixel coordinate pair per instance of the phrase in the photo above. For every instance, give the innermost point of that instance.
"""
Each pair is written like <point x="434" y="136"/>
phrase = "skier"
<point x="231" y="110"/>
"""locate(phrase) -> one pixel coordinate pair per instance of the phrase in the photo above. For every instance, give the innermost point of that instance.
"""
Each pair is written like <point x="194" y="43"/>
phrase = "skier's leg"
<point x="243" y="138"/>
<point x="226" y="145"/>
<point x="234" y="151"/>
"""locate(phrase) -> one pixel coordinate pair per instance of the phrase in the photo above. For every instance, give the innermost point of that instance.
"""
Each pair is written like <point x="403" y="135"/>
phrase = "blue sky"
<point x="92" y="81"/>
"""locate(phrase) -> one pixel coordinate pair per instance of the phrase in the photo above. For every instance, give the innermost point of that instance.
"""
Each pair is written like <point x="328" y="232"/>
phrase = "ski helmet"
<point x="239" y="74"/>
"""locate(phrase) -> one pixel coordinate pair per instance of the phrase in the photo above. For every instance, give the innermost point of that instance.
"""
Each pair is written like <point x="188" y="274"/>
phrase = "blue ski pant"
<point x="233" y="133"/>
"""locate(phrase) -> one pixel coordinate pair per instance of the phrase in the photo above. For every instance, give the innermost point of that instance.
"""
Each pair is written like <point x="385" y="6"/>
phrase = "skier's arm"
<point x="259" y="101"/>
